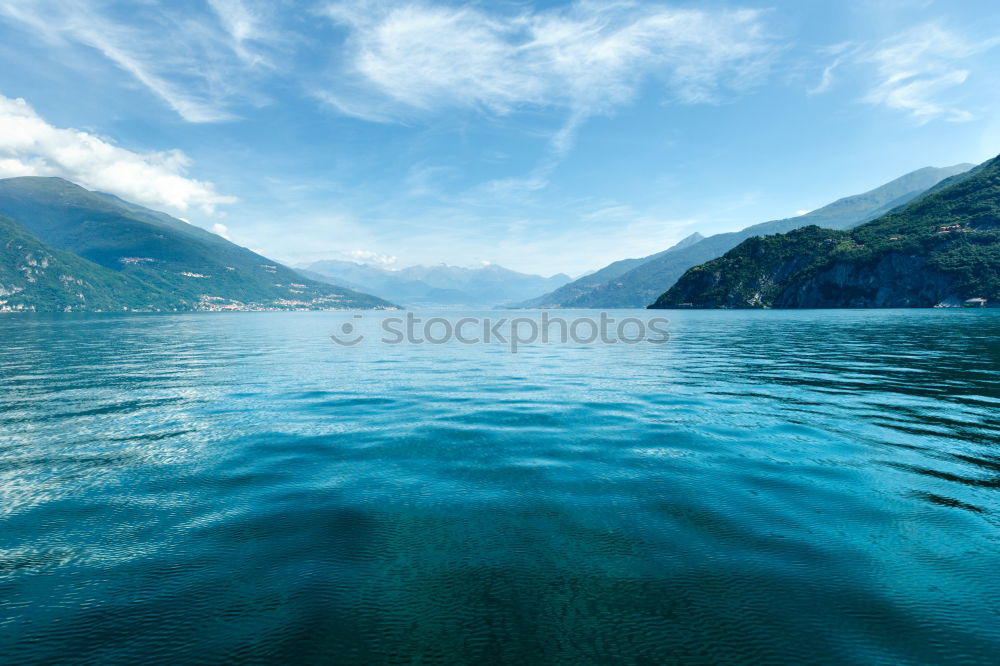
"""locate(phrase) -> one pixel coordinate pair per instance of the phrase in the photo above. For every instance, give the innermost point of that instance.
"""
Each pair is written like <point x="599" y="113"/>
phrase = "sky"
<point x="543" y="136"/>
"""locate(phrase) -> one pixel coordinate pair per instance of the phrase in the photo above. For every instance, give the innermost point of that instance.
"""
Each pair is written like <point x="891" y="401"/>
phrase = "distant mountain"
<point x="441" y="285"/>
<point x="643" y="282"/>
<point x="199" y="269"/>
<point x="579" y="288"/>
<point x="36" y="277"/>
<point x="942" y="249"/>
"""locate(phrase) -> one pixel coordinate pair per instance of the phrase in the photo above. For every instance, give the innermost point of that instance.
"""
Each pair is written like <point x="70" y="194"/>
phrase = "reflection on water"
<point x="803" y="486"/>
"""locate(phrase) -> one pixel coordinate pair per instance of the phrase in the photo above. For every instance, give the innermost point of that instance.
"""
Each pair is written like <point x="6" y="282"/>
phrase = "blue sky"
<point x="546" y="136"/>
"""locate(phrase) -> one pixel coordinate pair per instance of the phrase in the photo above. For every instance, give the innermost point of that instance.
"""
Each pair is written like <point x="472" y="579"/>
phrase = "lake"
<point x="809" y="486"/>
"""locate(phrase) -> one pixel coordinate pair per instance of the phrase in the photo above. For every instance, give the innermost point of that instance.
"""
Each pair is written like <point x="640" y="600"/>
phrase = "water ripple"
<point x="770" y="486"/>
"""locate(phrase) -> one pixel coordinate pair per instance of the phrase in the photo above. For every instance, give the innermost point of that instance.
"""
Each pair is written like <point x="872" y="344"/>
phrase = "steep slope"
<point x="486" y="286"/>
<point x="38" y="278"/>
<point x="577" y="289"/>
<point x="942" y="249"/>
<point x="641" y="285"/>
<point x="203" y="269"/>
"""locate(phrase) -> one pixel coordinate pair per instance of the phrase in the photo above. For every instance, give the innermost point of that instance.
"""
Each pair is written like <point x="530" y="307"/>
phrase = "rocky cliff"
<point x="942" y="250"/>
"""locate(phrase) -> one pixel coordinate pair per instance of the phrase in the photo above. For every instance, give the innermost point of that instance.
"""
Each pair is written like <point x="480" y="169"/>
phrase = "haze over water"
<point x="804" y="486"/>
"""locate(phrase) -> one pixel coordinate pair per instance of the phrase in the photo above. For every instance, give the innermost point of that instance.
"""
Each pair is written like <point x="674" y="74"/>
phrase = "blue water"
<point x="768" y="486"/>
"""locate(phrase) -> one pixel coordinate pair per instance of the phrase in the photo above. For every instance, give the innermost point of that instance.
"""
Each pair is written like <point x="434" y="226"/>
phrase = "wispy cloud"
<point x="193" y="63"/>
<point x="402" y="60"/>
<point x="842" y="53"/>
<point x="399" y="59"/>
<point x="917" y="71"/>
<point x="29" y="146"/>
<point x="917" y="66"/>
<point x="221" y="230"/>
<point x="589" y="58"/>
<point x="246" y="26"/>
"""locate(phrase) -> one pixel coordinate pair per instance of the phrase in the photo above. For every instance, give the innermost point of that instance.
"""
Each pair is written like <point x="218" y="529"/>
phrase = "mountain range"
<point x="943" y="249"/>
<point x="927" y="238"/>
<point x="436" y="286"/>
<point x="35" y="276"/>
<point x="638" y="282"/>
<point x="66" y="248"/>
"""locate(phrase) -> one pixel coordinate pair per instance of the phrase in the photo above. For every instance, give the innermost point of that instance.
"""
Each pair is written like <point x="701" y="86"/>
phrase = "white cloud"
<point x="916" y="71"/>
<point x="588" y="58"/>
<point x="369" y="257"/>
<point x="29" y="146"/>
<point x="245" y="25"/>
<point x="401" y="60"/>
<point x="220" y="230"/>
<point x="506" y="189"/>
<point x="842" y="52"/>
<point x="195" y="65"/>
<point x="917" y="67"/>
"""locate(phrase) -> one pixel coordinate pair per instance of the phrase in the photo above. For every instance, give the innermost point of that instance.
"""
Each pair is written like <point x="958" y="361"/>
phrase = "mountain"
<point x="643" y="282"/>
<point x="36" y="277"/>
<point x="942" y="249"/>
<point x="441" y="285"/>
<point x="579" y="288"/>
<point x="199" y="269"/>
